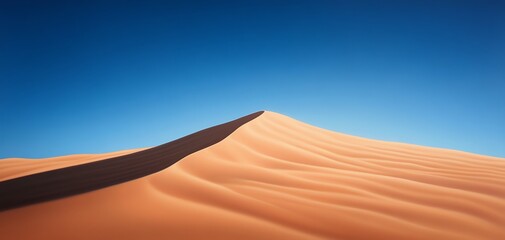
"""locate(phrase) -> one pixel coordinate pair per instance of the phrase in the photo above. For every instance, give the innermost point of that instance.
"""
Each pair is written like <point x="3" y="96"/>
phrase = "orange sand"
<point x="277" y="178"/>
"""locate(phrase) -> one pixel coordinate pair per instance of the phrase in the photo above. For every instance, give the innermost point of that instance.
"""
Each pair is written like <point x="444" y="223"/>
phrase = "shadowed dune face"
<point x="277" y="178"/>
<point x="18" y="167"/>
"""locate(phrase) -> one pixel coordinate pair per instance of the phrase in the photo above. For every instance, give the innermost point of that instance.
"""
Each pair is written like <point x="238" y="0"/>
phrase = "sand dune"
<point x="277" y="178"/>
<point x="77" y="179"/>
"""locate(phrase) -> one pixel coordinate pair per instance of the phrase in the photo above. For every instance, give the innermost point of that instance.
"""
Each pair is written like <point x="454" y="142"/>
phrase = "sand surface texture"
<point x="278" y="178"/>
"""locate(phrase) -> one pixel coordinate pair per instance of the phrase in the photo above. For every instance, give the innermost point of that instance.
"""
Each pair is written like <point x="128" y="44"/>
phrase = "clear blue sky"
<point x="103" y="76"/>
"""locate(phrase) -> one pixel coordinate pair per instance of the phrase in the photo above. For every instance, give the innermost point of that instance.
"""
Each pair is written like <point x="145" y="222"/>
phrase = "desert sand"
<point x="278" y="178"/>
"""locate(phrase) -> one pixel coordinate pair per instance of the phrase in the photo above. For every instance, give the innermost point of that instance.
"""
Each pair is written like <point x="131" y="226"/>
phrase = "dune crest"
<point x="278" y="178"/>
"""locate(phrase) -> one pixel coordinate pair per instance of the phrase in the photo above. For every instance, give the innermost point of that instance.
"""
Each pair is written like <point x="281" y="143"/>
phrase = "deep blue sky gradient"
<point x="103" y="76"/>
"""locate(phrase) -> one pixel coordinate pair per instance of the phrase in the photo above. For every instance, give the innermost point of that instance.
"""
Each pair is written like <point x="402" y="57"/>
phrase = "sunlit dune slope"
<point x="277" y="178"/>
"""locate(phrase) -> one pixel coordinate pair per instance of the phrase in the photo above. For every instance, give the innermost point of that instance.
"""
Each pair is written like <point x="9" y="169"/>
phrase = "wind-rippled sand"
<point x="277" y="178"/>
